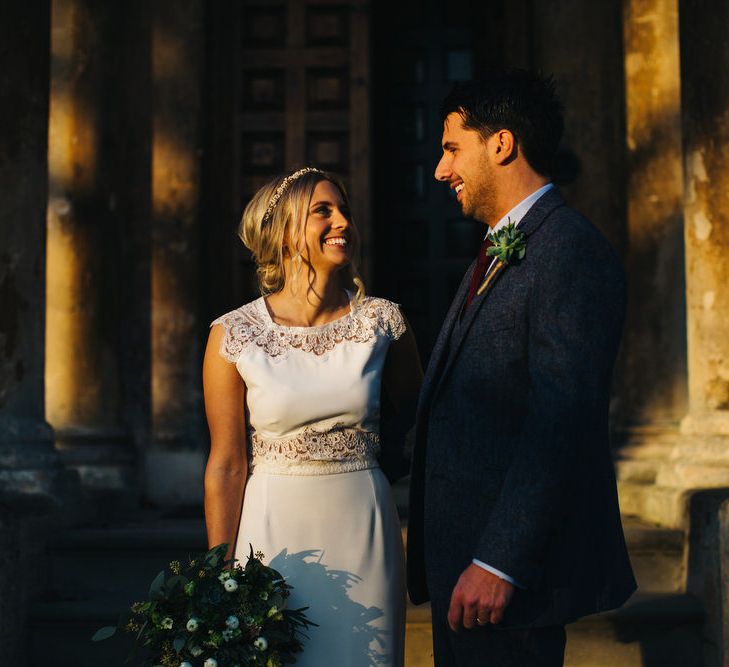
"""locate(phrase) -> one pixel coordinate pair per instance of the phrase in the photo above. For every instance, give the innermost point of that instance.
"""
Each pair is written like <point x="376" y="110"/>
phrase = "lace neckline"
<point x="266" y="315"/>
<point x="252" y="324"/>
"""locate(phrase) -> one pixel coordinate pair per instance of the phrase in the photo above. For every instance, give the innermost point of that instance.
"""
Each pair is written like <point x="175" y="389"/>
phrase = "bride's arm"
<point x="227" y="467"/>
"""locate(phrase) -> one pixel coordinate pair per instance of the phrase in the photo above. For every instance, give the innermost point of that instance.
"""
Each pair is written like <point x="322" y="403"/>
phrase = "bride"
<point x="292" y="385"/>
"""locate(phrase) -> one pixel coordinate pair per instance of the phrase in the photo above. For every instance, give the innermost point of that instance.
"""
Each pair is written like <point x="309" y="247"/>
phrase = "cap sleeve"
<point x="240" y="327"/>
<point x="389" y="317"/>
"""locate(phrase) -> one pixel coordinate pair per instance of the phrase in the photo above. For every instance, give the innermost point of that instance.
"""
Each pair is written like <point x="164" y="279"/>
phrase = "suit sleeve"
<point x="575" y="314"/>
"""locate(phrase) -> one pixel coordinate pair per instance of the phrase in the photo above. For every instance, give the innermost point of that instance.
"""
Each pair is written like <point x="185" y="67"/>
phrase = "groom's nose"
<point x="443" y="169"/>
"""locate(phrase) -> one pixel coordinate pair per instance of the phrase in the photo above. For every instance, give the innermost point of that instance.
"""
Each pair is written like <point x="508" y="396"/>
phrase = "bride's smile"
<point x="329" y="230"/>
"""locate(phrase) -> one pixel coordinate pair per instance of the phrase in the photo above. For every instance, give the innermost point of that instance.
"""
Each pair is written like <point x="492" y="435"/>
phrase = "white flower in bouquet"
<point x="196" y="651"/>
<point x="231" y="585"/>
<point x="261" y="643"/>
<point x="224" y="575"/>
<point x="264" y="595"/>
<point x="249" y="620"/>
<point x="232" y="622"/>
<point x="227" y="635"/>
<point x="192" y="624"/>
<point x="211" y="662"/>
<point x="167" y="623"/>
<point x="185" y="664"/>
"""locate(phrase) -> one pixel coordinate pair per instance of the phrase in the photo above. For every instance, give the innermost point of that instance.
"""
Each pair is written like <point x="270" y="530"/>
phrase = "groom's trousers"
<point x="496" y="647"/>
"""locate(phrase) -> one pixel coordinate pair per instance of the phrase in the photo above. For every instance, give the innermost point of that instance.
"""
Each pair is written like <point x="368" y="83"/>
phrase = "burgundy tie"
<point x="482" y="262"/>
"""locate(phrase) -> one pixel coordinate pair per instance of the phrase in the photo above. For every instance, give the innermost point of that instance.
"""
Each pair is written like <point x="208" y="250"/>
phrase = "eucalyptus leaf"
<point x="179" y="643"/>
<point x="156" y="589"/>
<point x="215" y="555"/>
<point x="103" y="633"/>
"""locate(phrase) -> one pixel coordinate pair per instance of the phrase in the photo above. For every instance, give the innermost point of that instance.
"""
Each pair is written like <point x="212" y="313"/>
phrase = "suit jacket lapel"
<point x="529" y="223"/>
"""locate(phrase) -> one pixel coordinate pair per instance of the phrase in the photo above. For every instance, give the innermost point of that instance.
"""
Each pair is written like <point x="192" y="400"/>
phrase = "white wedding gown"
<point x="316" y="503"/>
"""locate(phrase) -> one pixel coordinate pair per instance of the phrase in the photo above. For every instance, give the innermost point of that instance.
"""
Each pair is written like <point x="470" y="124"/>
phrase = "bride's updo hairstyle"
<point x="276" y="218"/>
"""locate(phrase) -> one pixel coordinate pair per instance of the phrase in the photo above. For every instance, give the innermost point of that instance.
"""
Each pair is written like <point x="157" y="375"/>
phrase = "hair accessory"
<point x="282" y="188"/>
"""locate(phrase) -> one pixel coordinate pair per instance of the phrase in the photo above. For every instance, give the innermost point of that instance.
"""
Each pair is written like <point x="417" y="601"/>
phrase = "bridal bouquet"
<point x="215" y="613"/>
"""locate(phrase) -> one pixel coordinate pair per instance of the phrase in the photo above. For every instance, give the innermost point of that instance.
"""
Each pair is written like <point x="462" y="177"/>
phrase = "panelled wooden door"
<point x="423" y="244"/>
<point x="301" y="79"/>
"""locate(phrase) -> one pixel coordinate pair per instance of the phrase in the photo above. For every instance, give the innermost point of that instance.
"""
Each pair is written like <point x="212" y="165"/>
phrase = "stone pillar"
<point x="580" y="44"/>
<point x="175" y="463"/>
<point x="652" y="385"/>
<point x="28" y="463"/>
<point x="701" y="458"/>
<point x="82" y="370"/>
<point x="32" y="480"/>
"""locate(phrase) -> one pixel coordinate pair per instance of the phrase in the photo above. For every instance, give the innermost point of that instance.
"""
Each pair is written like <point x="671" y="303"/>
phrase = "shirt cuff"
<point x="498" y="573"/>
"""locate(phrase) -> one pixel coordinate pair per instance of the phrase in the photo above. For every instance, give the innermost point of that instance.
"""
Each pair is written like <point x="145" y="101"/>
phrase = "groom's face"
<point x="466" y="168"/>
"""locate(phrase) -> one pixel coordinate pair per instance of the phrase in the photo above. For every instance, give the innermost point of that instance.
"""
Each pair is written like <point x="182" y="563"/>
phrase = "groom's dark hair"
<point x="517" y="100"/>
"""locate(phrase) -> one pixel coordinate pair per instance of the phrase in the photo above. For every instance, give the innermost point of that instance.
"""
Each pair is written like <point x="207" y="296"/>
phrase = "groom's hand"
<point x="478" y="598"/>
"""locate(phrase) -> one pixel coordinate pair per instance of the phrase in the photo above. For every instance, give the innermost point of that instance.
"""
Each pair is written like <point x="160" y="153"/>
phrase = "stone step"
<point x="60" y="635"/>
<point x="658" y="556"/>
<point x="661" y="505"/>
<point x="118" y="563"/>
<point x="652" y="629"/>
<point x="642" y="471"/>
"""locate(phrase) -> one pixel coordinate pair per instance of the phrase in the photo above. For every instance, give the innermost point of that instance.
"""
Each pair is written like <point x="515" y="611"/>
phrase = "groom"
<point x="514" y="527"/>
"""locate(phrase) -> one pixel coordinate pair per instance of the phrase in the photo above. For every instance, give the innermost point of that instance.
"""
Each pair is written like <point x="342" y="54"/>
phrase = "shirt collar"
<point x="516" y="214"/>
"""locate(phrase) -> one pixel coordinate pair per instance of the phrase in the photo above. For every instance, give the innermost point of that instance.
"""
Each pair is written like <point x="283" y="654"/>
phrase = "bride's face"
<point x="329" y="231"/>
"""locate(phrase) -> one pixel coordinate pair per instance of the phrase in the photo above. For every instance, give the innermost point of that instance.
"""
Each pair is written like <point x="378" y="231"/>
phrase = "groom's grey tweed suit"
<point x="512" y="463"/>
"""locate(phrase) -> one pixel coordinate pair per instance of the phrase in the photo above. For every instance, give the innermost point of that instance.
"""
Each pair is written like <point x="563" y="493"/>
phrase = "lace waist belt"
<point x="312" y="452"/>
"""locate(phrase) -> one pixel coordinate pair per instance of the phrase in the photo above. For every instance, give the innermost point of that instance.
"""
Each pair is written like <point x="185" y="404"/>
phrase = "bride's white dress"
<point x="316" y="502"/>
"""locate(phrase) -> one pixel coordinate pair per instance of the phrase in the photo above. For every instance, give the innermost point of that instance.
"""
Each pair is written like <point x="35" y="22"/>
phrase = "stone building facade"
<point x="132" y="136"/>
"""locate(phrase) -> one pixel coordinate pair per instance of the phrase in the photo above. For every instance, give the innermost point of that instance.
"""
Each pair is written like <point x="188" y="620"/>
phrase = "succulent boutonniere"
<point x="509" y="244"/>
<point x="508" y="241"/>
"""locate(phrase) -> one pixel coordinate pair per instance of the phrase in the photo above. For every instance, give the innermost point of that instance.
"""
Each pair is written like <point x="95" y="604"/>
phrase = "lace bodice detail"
<point x="338" y="449"/>
<point x="312" y="393"/>
<point x="251" y="324"/>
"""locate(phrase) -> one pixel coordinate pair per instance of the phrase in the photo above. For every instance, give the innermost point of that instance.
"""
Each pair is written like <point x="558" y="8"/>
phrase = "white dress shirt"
<point x="515" y="215"/>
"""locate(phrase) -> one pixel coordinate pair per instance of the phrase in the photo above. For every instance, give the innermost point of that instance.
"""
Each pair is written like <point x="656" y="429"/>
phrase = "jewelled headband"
<point x="282" y="188"/>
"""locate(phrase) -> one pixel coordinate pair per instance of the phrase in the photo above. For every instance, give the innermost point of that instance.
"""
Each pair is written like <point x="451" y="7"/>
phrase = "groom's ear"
<point x="503" y="146"/>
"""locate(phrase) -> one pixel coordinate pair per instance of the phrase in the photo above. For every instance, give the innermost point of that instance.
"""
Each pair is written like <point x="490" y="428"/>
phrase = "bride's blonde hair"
<point x="266" y="236"/>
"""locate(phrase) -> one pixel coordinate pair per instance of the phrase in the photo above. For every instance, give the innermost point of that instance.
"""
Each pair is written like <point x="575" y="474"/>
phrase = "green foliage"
<point x="198" y="591"/>
<point x="103" y="633"/>
<point x="508" y="242"/>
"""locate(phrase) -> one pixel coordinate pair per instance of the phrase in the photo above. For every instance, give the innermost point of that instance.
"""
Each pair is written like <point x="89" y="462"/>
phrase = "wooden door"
<point x="423" y="243"/>
<point x="301" y="78"/>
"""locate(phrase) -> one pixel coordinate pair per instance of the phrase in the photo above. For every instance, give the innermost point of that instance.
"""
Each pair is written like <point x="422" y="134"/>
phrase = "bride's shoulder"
<point x="248" y="313"/>
<point x="239" y="328"/>
<point x="385" y="314"/>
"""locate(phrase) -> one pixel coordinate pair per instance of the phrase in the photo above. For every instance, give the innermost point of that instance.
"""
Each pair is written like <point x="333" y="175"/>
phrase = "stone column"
<point x="82" y="371"/>
<point x="32" y="480"/>
<point x="652" y="385"/>
<point x="701" y="458"/>
<point x="580" y="44"/>
<point x="28" y="463"/>
<point x="174" y="465"/>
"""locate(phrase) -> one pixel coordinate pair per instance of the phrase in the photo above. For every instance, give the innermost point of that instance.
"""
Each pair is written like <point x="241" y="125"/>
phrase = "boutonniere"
<point x="509" y="245"/>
